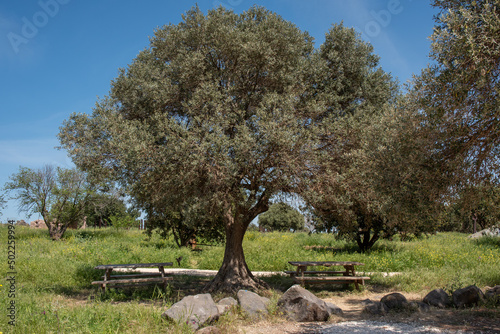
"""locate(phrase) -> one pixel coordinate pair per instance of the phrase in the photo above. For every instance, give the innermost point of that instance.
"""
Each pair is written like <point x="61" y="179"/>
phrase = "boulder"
<point x="209" y="330"/>
<point x="438" y="298"/>
<point x="334" y="309"/>
<point x="298" y="304"/>
<point x="376" y="308"/>
<point x="253" y="304"/>
<point x="193" y="310"/>
<point x="467" y="297"/>
<point x="22" y="223"/>
<point x="489" y="232"/>
<point x="395" y="301"/>
<point x="420" y="307"/>
<point x="493" y="294"/>
<point x="224" y="305"/>
<point x="39" y="223"/>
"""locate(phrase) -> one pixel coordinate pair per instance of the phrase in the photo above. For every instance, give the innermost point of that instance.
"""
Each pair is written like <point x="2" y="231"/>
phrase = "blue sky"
<point x="59" y="56"/>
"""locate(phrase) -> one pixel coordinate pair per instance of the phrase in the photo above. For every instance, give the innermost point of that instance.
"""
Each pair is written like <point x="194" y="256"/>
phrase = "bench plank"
<point x="314" y="272"/>
<point x="131" y="285"/>
<point x="132" y="280"/>
<point x="324" y="263"/>
<point x="335" y="278"/>
<point x="134" y="275"/>
<point x="135" y="265"/>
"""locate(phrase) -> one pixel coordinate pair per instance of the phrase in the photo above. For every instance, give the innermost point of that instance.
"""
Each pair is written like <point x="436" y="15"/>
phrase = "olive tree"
<point x="221" y="112"/>
<point x="460" y="90"/>
<point x="212" y="113"/>
<point x="59" y="195"/>
<point x="343" y="195"/>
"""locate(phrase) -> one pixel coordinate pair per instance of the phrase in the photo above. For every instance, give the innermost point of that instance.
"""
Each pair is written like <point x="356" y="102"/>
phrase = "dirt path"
<point x="436" y="321"/>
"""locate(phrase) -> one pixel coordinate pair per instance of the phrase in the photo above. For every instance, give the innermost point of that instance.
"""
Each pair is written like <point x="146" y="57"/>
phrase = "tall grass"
<point x="54" y="291"/>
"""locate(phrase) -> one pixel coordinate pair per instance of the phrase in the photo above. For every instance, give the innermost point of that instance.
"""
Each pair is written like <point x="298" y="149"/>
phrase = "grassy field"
<point x="53" y="293"/>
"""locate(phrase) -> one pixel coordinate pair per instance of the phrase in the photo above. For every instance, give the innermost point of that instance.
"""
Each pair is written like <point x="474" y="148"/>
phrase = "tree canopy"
<point x="59" y="195"/>
<point x="457" y="101"/>
<point x="460" y="91"/>
<point x="221" y="112"/>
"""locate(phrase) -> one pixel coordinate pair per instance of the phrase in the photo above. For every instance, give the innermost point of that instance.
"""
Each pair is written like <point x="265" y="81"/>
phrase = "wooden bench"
<point x="303" y="276"/>
<point x="132" y="280"/>
<point x="309" y="272"/>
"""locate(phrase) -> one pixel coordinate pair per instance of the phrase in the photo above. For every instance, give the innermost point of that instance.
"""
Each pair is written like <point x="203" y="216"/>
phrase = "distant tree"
<point x="281" y="217"/>
<point x="185" y="225"/>
<point x="105" y="203"/>
<point x="477" y="207"/>
<point x="59" y="195"/>
<point x="2" y="203"/>
<point x="124" y="221"/>
<point x="323" y="223"/>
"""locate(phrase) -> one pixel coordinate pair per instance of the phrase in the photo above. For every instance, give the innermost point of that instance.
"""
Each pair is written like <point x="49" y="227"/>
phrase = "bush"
<point x="125" y="222"/>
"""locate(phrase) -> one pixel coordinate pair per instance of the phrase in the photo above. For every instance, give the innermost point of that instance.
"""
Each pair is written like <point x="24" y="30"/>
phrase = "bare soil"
<point x="476" y="320"/>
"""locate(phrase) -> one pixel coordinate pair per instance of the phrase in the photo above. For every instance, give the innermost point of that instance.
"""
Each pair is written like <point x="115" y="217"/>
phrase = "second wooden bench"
<point x="129" y="280"/>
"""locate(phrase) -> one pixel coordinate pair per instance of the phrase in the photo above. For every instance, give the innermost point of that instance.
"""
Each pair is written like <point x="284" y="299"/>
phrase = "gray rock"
<point x="467" y="297"/>
<point x="438" y="298"/>
<point x="367" y="302"/>
<point x="420" y="307"/>
<point x="376" y="308"/>
<point x="489" y="232"/>
<point x="253" y="304"/>
<point x="395" y="301"/>
<point x="301" y="305"/>
<point x="224" y="305"/>
<point x="209" y="330"/>
<point x="334" y="309"/>
<point x="193" y="310"/>
<point x="229" y="301"/>
<point x="493" y="294"/>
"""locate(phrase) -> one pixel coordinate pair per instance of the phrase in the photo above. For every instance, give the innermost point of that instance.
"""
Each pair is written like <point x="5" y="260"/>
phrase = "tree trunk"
<point x="234" y="274"/>
<point x="56" y="231"/>
<point x="474" y="218"/>
<point x="365" y="240"/>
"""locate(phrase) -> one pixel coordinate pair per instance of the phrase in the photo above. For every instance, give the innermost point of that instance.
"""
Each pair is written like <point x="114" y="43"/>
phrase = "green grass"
<point x="54" y="294"/>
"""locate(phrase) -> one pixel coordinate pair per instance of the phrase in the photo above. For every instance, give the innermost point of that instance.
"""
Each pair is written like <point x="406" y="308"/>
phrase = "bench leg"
<point x="162" y="271"/>
<point x="107" y="276"/>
